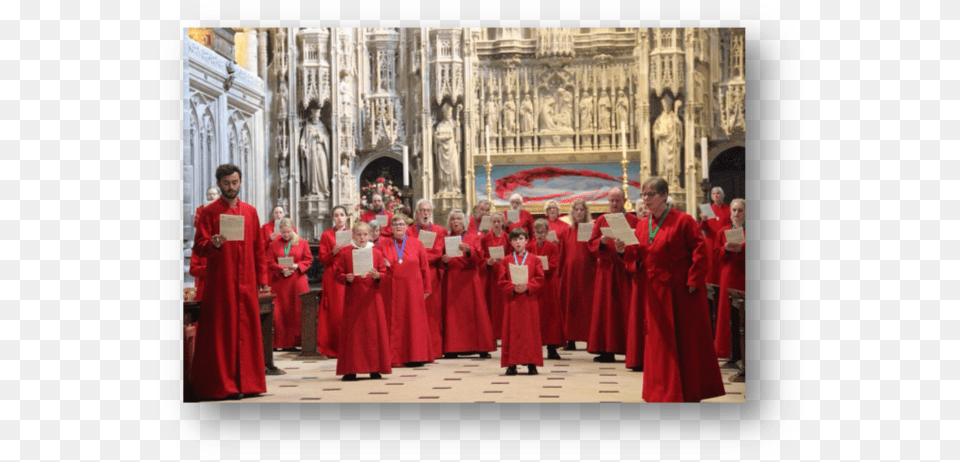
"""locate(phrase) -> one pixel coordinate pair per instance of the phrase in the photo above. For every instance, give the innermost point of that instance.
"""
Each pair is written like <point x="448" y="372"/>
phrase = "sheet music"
<point x="362" y="261"/>
<point x="543" y="259"/>
<point x="707" y="211"/>
<point x="513" y="216"/>
<point x="621" y="228"/>
<point x="285" y="262"/>
<point x="552" y="237"/>
<point x="607" y="232"/>
<point x="276" y="226"/>
<point x="584" y="231"/>
<point x="344" y="238"/>
<point x="485" y="223"/>
<point x="231" y="227"/>
<point x="427" y="238"/>
<point x="518" y="274"/>
<point x="382" y="221"/>
<point x="452" y="245"/>
<point x="734" y="235"/>
<point x="496" y="251"/>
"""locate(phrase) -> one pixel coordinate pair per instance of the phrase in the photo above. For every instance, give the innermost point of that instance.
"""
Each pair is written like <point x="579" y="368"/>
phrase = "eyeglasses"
<point x="650" y="194"/>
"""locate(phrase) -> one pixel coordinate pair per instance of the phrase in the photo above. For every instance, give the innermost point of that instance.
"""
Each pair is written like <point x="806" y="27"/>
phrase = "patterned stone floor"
<point x="573" y="379"/>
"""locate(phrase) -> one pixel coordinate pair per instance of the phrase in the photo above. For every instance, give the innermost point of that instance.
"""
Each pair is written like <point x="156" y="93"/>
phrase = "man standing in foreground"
<point x="228" y="362"/>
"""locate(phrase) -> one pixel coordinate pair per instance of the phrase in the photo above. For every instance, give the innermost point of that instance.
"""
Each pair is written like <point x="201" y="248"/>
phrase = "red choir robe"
<point x="331" y="302"/>
<point x="435" y="281"/>
<point x="577" y="274"/>
<point x="551" y="317"/>
<point x="732" y="276"/>
<point x="611" y="294"/>
<point x="679" y="362"/>
<point x="229" y="349"/>
<point x="711" y="229"/>
<point x="466" y="321"/>
<point x="403" y="287"/>
<point x="635" y="317"/>
<point x="474" y="227"/>
<point x="526" y="222"/>
<point x="495" y="297"/>
<point x="198" y="269"/>
<point x="364" y="340"/>
<point x="385" y="231"/>
<point x="286" y="306"/>
<point x="266" y="230"/>
<point x="561" y="228"/>
<point x="521" y="313"/>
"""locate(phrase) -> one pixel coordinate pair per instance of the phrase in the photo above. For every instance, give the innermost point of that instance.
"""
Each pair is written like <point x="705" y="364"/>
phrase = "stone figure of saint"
<point x="526" y="115"/>
<point x="446" y="141"/>
<point x="282" y="100"/>
<point x="348" y="182"/>
<point x="565" y="109"/>
<point x="509" y="116"/>
<point x="604" y="111"/>
<point x="623" y="110"/>
<point x="586" y="111"/>
<point x="668" y="137"/>
<point x="547" y="115"/>
<point x="314" y="148"/>
<point x="490" y="110"/>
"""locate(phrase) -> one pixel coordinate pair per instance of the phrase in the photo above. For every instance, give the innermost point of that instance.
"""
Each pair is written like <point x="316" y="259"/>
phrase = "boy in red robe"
<point x="551" y="319"/>
<point x="521" y="311"/>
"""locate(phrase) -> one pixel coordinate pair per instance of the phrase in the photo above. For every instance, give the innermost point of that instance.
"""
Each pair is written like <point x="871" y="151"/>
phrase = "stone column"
<point x="643" y="100"/>
<point x="252" y="44"/>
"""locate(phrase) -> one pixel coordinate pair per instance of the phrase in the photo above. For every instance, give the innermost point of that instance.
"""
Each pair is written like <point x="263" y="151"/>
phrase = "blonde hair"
<point x="401" y="216"/>
<point x="358" y="226"/>
<point x="541" y="223"/>
<point x="286" y="221"/>
<point x="548" y="204"/>
<point x="586" y="208"/>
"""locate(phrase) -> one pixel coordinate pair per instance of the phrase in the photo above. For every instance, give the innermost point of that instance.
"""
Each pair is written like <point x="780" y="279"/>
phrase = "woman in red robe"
<point x="435" y="274"/>
<point x="288" y="282"/>
<point x="479" y="211"/>
<point x="364" y="341"/>
<point x="679" y="363"/>
<point x="466" y="322"/>
<point x="331" y="303"/>
<point x="732" y="275"/>
<point x="551" y="318"/>
<point x="521" y="315"/>
<point x="711" y="229"/>
<point x="269" y="232"/>
<point x="493" y="269"/>
<point x="405" y="287"/>
<point x="558" y="226"/>
<point x="578" y="269"/>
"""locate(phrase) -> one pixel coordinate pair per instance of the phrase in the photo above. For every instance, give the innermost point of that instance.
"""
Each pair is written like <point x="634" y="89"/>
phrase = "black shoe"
<point x="235" y="396"/>
<point x="605" y="358"/>
<point x="449" y="356"/>
<point x="552" y="353"/>
<point x="375" y="375"/>
<point x="485" y="356"/>
<point x="415" y="364"/>
<point x="532" y="370"/>
<point x="637" y="369"/>
<point x="571" y="346"/>
<point x="512" y="370"/>
<point x="349" y="378"/>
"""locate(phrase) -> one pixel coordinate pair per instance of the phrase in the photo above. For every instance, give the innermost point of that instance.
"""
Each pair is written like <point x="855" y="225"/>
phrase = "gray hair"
<point x="423" y="201"/>
<point x="717" y="188"/>
<point x="516" y="196"/>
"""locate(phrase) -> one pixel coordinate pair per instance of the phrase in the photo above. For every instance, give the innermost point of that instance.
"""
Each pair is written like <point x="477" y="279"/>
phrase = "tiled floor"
<point x="573" y="379"/>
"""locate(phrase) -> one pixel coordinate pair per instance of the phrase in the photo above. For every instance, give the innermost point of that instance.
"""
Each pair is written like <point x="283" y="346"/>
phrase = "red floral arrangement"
<point x="391" y="195"/>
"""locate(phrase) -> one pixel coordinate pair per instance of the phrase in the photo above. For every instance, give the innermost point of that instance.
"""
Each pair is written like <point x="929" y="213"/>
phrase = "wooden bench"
<point x="309" y="309"/>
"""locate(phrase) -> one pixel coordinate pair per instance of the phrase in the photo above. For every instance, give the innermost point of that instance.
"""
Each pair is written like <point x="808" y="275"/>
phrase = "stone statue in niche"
<point x="586" y="111"/>
<point x="447" y="142"/>
<point x="668" y="137"/>
<point x="314" y="149"/>
<point x="348" y="182"/>
<point x="526" y="115"/>
<point x="623" y="111"/>
<point x="282" y="99"/>
<point x="509" y="116"/>
<point x="547" y="115"/>
<point x="604" y="110"/>
<point x="565" y="108"/>
<point x="490" y="111"/>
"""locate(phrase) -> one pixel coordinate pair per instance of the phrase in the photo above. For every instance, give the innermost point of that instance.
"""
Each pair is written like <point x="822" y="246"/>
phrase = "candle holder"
<point x="627" y="205"/>
<point x="489" y="167"/>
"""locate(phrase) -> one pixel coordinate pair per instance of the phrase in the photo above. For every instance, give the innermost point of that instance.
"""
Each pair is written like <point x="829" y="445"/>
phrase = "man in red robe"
<point x="479" y="211"/>
<point x="371" y="215"/>
<point x="526" y="218"/>
<point x="434" y="275"/>
<point x="611" y="294"/>
<point x="228" y="362"/>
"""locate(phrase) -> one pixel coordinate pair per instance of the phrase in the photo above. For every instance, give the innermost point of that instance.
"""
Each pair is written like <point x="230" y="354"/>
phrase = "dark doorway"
<point x="383" y="167"/>
<point x="728" y="171"/>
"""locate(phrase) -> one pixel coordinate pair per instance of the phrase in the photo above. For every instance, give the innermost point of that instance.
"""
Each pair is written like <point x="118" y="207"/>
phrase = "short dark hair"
<point x="517" y="232"/>
<point x="225" y="170"/>
<point x="657" y="184"/>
